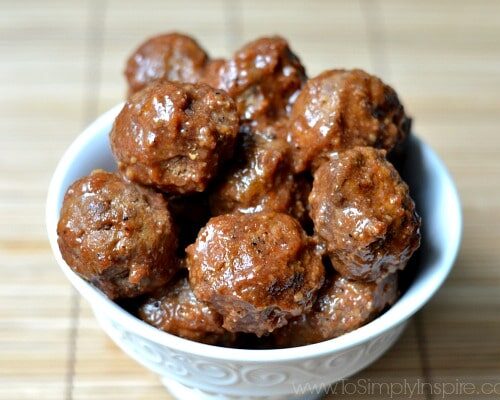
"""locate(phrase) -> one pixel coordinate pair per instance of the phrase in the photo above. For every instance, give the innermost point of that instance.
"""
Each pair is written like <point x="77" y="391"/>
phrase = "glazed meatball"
<point x="363" y="211"/>
<point x="257" y="270"/>
<point x="175" y="309"/>
<point x="117" y="235"/>
<point x="340" y="109"/>
<point x="260" y="179"/>
<point x="174" y="136"/>
<point x="264" y="77"/>
<point x="342" y="306"/>
<point x="170" y="56"/>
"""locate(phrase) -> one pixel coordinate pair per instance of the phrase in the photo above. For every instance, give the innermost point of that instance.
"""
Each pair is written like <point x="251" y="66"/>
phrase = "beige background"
<point x="60" y="66"/>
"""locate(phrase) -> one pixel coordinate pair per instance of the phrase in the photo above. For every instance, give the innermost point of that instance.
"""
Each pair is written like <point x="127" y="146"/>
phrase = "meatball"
<point x="170" y="56"/>
<point x="212" y="70"/>
<point x="342" y="306"/>
<point x="117" y="235"/>
<point x="340" y="109"/>
<point x="260" y="179"/>
<point x="363" y="211"/>
<point x="175" y="309"/>
<point x="257" y="270"/>
<point x="264" y="77"/>
<point x="174" y="135"/>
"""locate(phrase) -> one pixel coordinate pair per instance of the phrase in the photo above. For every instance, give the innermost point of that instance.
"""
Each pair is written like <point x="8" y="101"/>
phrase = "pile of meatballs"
<point x="253" y="206"/>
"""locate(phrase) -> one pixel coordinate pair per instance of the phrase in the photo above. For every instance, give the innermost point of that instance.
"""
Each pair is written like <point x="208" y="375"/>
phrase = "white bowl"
<point x="194" y="370"/>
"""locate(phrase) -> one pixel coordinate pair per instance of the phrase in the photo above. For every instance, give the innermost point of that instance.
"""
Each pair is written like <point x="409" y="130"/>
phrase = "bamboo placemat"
<point x="60" y="66"/>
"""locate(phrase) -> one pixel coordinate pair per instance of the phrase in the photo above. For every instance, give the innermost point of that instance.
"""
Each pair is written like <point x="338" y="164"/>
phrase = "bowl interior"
<point x="430" y="184"/>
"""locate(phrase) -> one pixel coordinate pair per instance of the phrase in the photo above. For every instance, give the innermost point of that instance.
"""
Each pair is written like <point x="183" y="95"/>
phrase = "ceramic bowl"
<point x="194" y="370"/>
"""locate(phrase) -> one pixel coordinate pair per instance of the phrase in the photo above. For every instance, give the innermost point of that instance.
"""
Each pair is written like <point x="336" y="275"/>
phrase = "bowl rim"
<point x="401" y="311"/>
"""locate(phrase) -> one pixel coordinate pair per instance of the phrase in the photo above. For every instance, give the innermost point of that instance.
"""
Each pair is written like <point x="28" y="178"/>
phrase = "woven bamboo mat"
<point x="60" y="66"/>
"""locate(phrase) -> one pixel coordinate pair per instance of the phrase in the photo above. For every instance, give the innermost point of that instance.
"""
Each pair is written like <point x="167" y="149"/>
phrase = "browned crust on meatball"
<point x="257" y="270"/>
<point x="341" y="109"/>
<point x="170" y="56"/>
<point x="174" y="136"/>
<point x="363" y="212"/>
<point x="264" y="77"/>
<point x="342" y="306"/>
<point x="117" y="235"/>
<point x="176" y="310"/>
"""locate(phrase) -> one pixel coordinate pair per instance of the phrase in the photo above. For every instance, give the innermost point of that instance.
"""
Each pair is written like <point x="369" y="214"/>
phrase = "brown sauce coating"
<point x="342" y="306"/>
<point x="175" y="309"/>
<point x="260" y="178"/>
<point x="116" y="235"/>
<point x="363" y="212"/>
<point x="340" y="109"/>
<point x="171" y="56"/>
<point x="264" y="77"/>
<point x="257" y="270"/>
<point x="174" y="136"/>
<point x="300" y="208"/>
